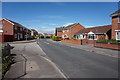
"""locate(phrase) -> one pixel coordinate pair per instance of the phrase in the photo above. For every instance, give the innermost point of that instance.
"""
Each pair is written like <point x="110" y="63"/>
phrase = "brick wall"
<point x="7" y="27"/>
<point x="111" y="46"/>
<point x="1" y="38"/>
<point x="115" y="26"/>
<point x="72" y="41"/>
<point x="59" y="33"/>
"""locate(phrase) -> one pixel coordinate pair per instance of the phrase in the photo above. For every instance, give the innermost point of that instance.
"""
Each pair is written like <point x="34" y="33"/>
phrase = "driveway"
<point x="78" y="63"/>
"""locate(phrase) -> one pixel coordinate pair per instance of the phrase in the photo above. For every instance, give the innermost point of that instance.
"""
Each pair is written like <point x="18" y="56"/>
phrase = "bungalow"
<point x="13" y="31"/>
<point x="108" y="32"/>
<point x="94" y="33"/>
<point x="70" y="30"/>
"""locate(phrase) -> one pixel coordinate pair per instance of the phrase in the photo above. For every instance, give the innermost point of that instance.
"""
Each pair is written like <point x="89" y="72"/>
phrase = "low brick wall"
<point x="72" y="41"/>
<point x="105" y="45"/>
<point x="91" y="42"/>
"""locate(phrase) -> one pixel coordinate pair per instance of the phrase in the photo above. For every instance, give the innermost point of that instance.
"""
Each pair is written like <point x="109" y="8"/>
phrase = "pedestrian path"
<point x="32" y="62"/>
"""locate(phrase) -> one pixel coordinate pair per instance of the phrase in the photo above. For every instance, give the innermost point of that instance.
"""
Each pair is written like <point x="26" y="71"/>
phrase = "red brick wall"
<point x="8" y="38"/>
<point x="107" y="46"/>
<point x="91" y="42"/>
<point x="1" y="38"/>
<point x="115" y="26"/>
<point x="59" y="34"/>
<point x="72" y="41"/>
<point x="7" y="27"/>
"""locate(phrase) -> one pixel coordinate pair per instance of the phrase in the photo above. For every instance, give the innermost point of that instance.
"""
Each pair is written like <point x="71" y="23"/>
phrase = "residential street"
<point x="78" y="63"/>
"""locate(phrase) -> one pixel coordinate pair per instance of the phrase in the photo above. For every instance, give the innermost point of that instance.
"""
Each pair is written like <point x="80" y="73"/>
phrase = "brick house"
<point x="70" y="30"/>
<point x="13" y="31"/>
<point x="58" y="32"/>
<point x="89" y="35"/>
<point x="33" y="32"/>
<point x="116" y="25"/>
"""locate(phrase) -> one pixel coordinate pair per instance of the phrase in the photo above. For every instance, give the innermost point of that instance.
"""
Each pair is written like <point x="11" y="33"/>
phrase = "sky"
<point x="46" y="16"/>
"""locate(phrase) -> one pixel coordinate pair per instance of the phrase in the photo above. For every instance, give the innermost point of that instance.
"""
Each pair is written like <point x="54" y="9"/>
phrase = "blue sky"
<point x="46" y="16"/>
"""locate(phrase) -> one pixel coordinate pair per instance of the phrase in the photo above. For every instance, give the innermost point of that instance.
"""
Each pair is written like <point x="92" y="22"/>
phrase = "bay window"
<point x="92" y="37"/>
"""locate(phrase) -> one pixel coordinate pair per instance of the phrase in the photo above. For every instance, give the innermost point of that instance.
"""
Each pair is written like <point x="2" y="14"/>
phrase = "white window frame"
<point x="21" y="36"/>
<point x="117" y="32"/>
<point x="93" y="35"/>
<point x="63" y="31"/>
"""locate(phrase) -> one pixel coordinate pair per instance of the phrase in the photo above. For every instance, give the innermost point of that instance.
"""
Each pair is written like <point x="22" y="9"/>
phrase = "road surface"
<point x="77" y="63"/>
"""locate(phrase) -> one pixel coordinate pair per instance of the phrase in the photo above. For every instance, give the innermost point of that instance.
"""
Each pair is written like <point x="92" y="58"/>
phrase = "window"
<point x="20" y="28"/>
<point x="21" y="35"/>
<point x="15" y="27"/>
<point x="118" y="35"/>
<point x="63" y="31"/>
<point x="92" y="37"/>
<point x="15" y="35"/>
<point x="81" y="36"/>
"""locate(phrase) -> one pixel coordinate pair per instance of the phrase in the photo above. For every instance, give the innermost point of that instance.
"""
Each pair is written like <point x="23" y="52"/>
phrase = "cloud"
<point x="53" y="24"/>
<point x="46" y="30"/>
<point x="68" y="24"/>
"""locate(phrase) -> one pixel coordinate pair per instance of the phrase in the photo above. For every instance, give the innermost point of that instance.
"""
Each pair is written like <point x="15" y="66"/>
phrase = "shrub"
<point x="55" y="38"/>
<point x="102" y="39"/>
<point x="48" y="36"/>
<point x="42" y="37"/>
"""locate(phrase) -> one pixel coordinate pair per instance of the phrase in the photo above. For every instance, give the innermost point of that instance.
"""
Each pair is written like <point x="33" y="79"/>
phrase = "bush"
<point x="48" y="36"/>
<point x="102" y="39"/>
<point x="42" y="37"/>
<point x="55" y="38"/>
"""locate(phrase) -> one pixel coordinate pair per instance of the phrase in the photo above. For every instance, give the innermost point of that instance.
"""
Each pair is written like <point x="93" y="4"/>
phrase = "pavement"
<point x="91" y="48"/>
<point x="32" y="62"/>
<point x="24" y="41"/>
<point x="80" y="63"/>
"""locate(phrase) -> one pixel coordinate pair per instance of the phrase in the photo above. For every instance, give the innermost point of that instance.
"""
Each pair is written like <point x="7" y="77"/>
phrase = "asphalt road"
<point x="77" y="63"/>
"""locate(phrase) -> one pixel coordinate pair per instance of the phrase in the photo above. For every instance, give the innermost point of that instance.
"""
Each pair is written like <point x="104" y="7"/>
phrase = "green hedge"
<point x="107" y="40"/>
<point x="55" y="38"/>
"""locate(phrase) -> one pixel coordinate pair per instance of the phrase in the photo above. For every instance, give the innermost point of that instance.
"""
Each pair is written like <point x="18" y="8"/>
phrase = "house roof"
<point x="33" y="30"/>
<point x="71" y="25"/>
<point x="116" y="13"/>
<point x="15" y="23"/>
<point x="59" y="29"/>
<point x="99" y="29"/>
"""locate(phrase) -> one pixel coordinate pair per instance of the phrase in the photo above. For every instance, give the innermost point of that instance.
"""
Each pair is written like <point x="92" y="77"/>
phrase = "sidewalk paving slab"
<point x="36" y="66"/>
